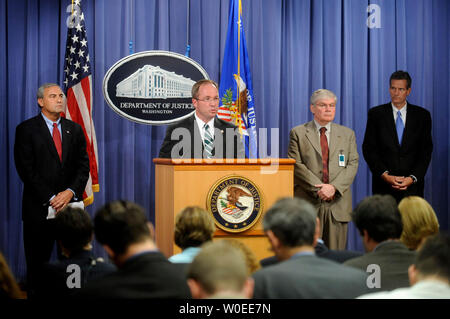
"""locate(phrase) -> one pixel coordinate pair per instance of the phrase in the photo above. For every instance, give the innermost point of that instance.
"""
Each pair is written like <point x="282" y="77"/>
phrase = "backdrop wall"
<point x="295" y="47"/>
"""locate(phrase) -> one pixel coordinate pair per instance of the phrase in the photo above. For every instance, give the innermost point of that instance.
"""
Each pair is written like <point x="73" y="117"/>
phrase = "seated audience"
<point x="9" y="289"/>
<point x="321" y="250"/>
<point x="144" y="272"/>
<point x="74" y="233"/>
<point x="429" y="275"/>
<point x="250" y="258"/>
<point x="419" y="221"/>
<point x="193" y="227"/>
<point x="292" y="228"/>
<point x="219" y="271"/>
<point x="380" y="225"/>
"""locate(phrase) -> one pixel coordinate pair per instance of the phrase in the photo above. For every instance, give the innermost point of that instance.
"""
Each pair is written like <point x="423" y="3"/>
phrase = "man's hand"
<point x="397" y="182"/>
<point x="61" y="200"/>
<point x="326" y="191"/>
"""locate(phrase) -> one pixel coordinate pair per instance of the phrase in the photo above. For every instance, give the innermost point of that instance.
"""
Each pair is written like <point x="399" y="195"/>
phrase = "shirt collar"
<point x="318" y="126"/>
<point x="202" y="124"/>
<point x="50" y="122"/>
<point x="402" y="109"/>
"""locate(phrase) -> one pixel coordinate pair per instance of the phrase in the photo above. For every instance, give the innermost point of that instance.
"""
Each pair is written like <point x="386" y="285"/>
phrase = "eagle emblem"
<point x="235" y="203"/>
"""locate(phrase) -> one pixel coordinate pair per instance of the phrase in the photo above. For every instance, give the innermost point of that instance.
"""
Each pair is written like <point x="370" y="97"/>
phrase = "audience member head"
<point x="219" y="270"/>
<point x="74" y="230"/>
<point x="193" y="227"/>
<point x="419" y="221"/>
<point x="123" y="230"/>
<point x="432" y="260"/>
<point x="250" y="258"/>
<point x="9" y="289"/>
<point x="377" y="219"/>
<point x="291" y="225"/>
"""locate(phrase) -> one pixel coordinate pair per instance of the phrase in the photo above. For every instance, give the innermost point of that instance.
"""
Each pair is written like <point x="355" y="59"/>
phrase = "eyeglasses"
<point x="322" y="106"/>
<point x="210" y="99"/>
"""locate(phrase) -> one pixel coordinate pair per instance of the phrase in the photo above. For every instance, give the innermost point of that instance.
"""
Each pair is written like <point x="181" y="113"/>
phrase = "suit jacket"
<point x="39" y="167"/>
<point x="309" y="277"/>
<point x="383" y="152"/>
<point x="149" y="275"/>
<point x="188" y="142"/>
<point x="322" y="251"/>
<point x="304" y="147"/>
<point x="53" y="279"/>
<point x="394" y="259"/>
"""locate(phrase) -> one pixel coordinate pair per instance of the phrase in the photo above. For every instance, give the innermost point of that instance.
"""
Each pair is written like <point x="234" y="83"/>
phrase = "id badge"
<point x="341" y="160"/>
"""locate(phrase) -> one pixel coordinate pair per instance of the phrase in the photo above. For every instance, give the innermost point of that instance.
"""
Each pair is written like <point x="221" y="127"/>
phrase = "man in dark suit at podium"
<point x="51" y="160"/>
<point x="397" y="144"/>
<point x="203" y="135"/>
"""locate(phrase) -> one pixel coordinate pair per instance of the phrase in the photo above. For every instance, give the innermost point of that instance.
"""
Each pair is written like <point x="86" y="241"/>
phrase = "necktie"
<point x="324" y="147"/>
<point x="208" y="142"/>
<point x="400" y="127"/>
<point x="57" y="140"/>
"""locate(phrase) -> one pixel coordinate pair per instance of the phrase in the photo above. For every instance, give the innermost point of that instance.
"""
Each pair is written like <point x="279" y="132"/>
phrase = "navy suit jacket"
<point x="42" y="172"/>
<point x="146" y="276"/>
<point x="383" y="152"/>
<point x="188" y="142"/>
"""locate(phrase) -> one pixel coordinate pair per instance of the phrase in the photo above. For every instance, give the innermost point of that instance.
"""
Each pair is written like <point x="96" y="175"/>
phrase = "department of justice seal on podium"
<point x="235" y="203"/>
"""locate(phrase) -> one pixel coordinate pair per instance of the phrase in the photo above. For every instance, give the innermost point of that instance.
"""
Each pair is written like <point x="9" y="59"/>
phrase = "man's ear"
<point x="274" y="241"/>
<point x="316" y="232"/>
<point x="248" y="288"/>
<point x="412" y="275"/>
<point x="196" y="289"/>
<point x="152" y="230"/>
<point x="40" y="102"/>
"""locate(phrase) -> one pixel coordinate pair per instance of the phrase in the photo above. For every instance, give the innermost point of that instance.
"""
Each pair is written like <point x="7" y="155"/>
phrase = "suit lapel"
<point x="336" y="140"/>
<point x="410" y="124"/>
<point x="44" y="131"/>
<point x="312" y="136"/>
<point x="66" y="138"/>
<point x="390" y="123"/>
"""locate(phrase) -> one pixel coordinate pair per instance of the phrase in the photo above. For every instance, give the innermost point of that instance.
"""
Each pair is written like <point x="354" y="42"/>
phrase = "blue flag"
<point x="236" y="88"/>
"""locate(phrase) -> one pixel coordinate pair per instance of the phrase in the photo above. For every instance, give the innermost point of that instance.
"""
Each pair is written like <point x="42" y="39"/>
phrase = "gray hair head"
<point x="292" y="221"/>
<point x="322" y="94"/>
<point x="40" y="91"/>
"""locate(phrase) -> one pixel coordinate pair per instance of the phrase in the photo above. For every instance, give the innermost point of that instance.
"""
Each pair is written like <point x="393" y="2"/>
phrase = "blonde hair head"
<point x="419" y="221"/>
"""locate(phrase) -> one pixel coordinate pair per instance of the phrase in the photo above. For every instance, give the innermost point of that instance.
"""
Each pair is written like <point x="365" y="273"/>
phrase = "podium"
<point x="192" y="182"/>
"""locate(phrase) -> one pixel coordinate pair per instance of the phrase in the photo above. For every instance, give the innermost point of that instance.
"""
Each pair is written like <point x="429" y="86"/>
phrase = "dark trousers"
<point x="38" y="239"/>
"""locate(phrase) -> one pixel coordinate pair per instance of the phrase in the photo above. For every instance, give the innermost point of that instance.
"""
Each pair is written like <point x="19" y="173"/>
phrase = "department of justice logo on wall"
<point x="235" y="202"/>
<point x="152" y="87"/>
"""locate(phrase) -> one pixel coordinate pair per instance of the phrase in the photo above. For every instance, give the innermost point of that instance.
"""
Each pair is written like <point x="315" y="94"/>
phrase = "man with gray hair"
<point x="292" y="228"/>
<point x="51" y="160"/>
<point x="326" y="164"/>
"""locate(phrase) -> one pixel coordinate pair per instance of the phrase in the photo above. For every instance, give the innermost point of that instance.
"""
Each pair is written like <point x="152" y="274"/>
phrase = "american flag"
<point x="78" y="88"/>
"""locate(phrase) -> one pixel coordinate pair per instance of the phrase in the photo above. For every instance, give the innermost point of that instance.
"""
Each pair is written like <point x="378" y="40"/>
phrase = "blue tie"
<point x="400" y="127"/>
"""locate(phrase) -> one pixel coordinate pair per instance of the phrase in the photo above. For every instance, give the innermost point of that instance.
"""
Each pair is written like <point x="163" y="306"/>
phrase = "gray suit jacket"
<point x="309" y="277"/>
<point x="304" y="147"/>
<point x="394" y="259"/>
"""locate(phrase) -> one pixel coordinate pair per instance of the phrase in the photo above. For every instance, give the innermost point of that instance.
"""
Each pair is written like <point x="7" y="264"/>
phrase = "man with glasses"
<point x="203" y="135"/>
<point x="326" y="164"/>
<point x="397" y="144"/>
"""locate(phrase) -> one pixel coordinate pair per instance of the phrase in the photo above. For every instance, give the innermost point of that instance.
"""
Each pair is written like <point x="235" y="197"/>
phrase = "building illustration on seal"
<point x="155" y="83"/>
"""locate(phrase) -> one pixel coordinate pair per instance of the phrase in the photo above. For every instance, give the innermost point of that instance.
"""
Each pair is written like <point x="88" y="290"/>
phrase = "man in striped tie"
<point x="51" y="160"/>
<point x="203" y="134"/>
<point x="397" y="143"/>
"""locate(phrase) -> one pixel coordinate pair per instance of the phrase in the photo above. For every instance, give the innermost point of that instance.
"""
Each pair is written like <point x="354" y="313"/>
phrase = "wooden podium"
<point x="181" y="183"/>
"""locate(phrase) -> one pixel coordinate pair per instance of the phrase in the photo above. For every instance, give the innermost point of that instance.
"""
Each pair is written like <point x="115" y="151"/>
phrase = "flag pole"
<point x="188" y="46"/>
<point x="130" y="44"/>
